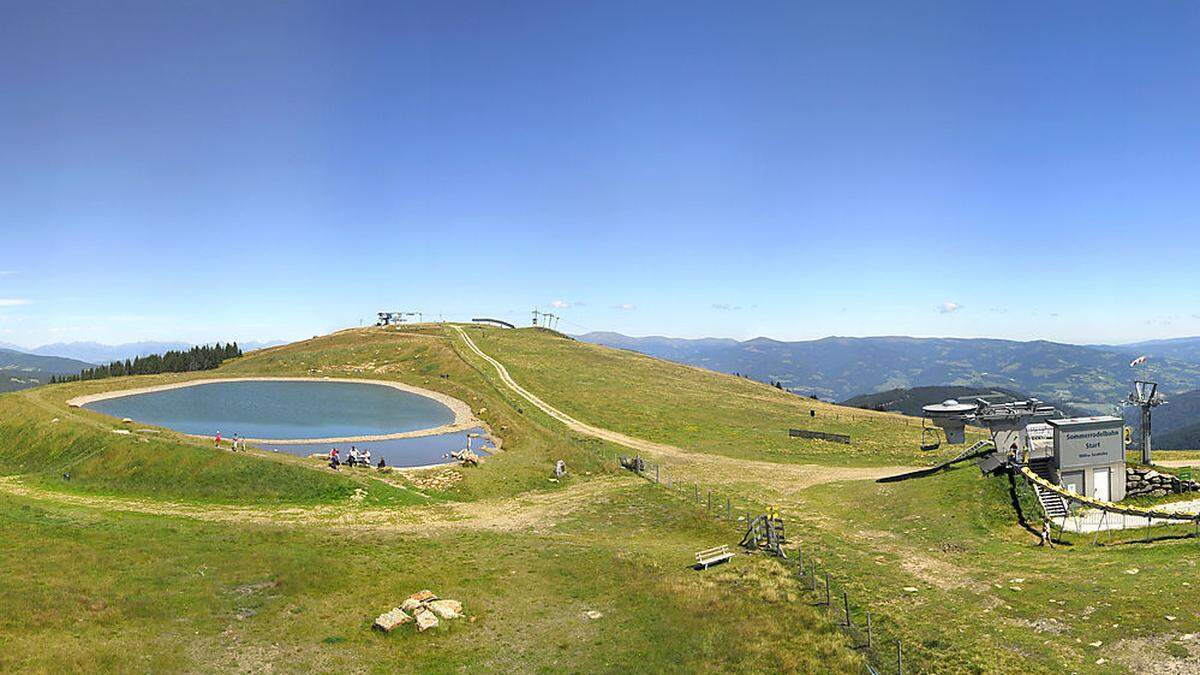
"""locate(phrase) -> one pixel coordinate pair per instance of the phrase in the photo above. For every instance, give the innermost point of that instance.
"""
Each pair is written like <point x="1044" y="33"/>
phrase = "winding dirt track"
<point x="694" y="466"/>
<point x="521" y="512"/>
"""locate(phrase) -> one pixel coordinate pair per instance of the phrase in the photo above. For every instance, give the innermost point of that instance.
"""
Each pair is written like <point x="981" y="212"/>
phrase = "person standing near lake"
<point x="218" y="443"/>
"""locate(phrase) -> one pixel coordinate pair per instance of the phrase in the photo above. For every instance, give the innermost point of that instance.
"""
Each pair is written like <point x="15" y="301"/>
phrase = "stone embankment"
<point x="1143" y="481"/>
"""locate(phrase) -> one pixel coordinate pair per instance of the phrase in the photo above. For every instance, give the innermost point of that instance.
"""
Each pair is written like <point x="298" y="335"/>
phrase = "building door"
<point x="1073" y="481"/>
<point x="1101" y="488"/>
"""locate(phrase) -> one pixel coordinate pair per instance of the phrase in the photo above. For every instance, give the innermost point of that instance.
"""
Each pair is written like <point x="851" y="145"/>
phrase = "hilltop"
<point x="232" y="554"/>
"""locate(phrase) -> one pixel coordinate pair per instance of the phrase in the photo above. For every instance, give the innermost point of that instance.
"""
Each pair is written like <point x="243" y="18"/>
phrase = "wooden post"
<point x="709" y="507"/>
<point x="846" y="606"/>
<point x="696" y="491"/>
<point x="827" y="599"/>
<point x="899" y="658"/>
<point x="800" y="559"/>
<point x="729" y="510"/>
<point x="656" y="473"/>
<point x="869" y="630"/>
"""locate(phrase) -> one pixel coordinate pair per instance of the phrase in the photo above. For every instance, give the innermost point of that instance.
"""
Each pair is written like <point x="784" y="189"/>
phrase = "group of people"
<point x="353" y="458"/>
<point x="238" y="443"/>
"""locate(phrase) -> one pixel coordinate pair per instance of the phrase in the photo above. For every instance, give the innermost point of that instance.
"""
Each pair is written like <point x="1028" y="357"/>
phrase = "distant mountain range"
<point x="96" y="353"/>
<point x="1184" y="349"/>
<point x="1088" y="378"/>
<point x="19" y="370"/>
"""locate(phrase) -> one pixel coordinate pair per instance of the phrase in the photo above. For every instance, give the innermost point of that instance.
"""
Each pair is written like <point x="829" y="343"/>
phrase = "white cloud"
<point x="13" y="302"/>
<point x="7" y="273"/>
<point x="725" y="307"/>
<point x="625" y="305"/>
<point x="560" y="304"/>
<point x="948" y="307"/>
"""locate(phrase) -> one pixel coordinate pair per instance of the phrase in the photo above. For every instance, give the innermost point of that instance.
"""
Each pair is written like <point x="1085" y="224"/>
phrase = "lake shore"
<point x="464" y="418"/>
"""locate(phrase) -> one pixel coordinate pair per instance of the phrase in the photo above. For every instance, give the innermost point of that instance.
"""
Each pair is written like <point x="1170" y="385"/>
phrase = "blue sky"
<point x="203" y="171"/>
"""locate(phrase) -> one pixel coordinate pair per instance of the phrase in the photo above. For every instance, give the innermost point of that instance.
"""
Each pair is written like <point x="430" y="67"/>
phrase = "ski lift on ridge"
<point x="929" y="436"/>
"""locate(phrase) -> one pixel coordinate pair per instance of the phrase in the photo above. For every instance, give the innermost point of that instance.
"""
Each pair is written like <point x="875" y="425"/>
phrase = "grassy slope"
<point x="954" y="537"/>
<point x="125" y="591"/>
<point x="95" y="591"/>
<point x="172" y="465"/>
<point x="694" y="408"/>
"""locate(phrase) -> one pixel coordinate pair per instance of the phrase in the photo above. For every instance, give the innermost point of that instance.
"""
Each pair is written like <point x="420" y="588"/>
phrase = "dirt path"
<point x="693" y="466"/>
<point x="533" y="510"/>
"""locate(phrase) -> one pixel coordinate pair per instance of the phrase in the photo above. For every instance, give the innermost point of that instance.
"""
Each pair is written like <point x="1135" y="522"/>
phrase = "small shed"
<point x="1089" y="455"/>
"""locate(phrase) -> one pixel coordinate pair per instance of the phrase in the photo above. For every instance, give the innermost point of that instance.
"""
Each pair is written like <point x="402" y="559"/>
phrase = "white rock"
<point x="411" y="605"/>
<point x="446" y="609"/>
<point x="1132" y="570"/>
<point x="909" y="589"/>
<point x="388" y="621"/>
<point x="592" y="614"/>
<point x="425" y="619"/>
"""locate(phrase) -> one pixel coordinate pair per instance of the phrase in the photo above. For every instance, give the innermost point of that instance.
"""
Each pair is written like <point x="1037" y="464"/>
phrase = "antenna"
<point x="1145" y="396"/>
<point x="535" y="315"/>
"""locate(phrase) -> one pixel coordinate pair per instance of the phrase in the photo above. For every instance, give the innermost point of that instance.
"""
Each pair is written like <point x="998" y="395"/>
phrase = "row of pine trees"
<point x="205" y="357"/>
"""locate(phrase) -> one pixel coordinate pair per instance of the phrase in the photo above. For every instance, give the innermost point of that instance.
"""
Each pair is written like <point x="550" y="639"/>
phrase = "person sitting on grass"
<point x="366" y="458"/>
<point x="382" y="464"/>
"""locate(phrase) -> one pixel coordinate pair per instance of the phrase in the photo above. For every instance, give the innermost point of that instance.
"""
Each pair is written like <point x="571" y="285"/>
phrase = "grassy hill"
<point x="164" y="554"/>
<point x="695" y="408"/>
<point x="19" y="370"/>
<point x="257" y="560"/>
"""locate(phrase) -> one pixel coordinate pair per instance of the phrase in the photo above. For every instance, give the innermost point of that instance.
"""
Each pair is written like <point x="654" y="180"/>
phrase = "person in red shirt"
<point x="218" y="443"/>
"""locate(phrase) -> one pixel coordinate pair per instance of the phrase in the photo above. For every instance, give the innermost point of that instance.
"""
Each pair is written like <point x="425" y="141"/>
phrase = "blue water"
<point x="399" y="452"/>
<point x="281" y="410"/>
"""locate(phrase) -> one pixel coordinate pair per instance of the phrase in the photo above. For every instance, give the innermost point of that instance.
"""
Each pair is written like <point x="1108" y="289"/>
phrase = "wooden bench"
<point x="712" y="556"/>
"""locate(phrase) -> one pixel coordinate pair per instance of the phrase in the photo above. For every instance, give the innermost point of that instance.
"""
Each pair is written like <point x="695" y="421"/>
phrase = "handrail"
<point x="972" y="452"/>
<point x="1109" y="507"/>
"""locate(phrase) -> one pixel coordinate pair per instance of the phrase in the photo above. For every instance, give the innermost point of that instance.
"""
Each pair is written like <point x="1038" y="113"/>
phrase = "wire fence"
<point x="825" y="588"/>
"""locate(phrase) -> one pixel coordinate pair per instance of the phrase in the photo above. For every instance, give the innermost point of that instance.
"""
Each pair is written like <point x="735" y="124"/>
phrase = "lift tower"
<point x="1145" y="396"/>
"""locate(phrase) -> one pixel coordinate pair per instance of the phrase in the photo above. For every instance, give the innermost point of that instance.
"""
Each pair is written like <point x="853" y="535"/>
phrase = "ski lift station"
<point x="1085" y="455"/>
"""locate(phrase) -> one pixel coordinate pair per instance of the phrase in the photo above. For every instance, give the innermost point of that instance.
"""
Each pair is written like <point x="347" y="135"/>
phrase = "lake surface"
<point x="281" y="410"/>
<point x="398" y="452"/>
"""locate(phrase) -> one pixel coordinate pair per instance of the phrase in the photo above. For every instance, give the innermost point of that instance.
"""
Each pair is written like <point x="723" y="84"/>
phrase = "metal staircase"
<point x="1053" y="505"/>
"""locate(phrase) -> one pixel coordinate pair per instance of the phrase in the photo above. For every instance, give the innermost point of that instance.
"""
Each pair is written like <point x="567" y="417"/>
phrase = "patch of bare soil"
<point x="1165" y="654"/>
<point x="532" y="510"/>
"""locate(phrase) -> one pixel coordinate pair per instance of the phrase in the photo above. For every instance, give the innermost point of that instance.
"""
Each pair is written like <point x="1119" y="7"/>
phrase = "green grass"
<point x="121" y="591"/>
<point x="99" y="591"/>
<point x="693" y="408"/>
<point x="102" y="462"/>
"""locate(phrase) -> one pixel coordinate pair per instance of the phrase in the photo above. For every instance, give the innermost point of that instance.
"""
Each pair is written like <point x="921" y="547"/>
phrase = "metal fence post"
<point x="656" y="473"/>
<point x="899" y="658"/>
<point x="846" y="606"/>
<point x="729" y="510"/>
<point x="800" y="559"/>
<point x="709" y="507"/>
<point x="827" y="589"/>
<point x="869" y="645"/>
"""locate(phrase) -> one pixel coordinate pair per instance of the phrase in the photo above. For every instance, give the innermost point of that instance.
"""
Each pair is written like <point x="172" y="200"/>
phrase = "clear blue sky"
<point x="253" y="170"/>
